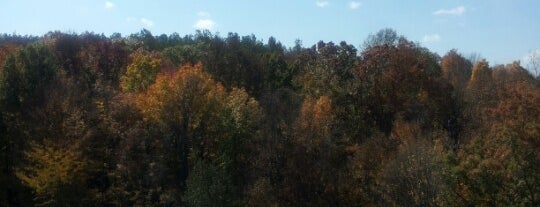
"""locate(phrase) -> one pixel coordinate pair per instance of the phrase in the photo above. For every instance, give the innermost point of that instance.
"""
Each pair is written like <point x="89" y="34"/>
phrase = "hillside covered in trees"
<point x="205" y="120"/>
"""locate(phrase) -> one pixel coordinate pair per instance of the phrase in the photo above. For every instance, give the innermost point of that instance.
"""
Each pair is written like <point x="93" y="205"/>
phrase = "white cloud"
<point x="147" y="23"/>
<point x="354" y="5"/>
<point x="431" y="38"/>
<point x="109" y="5"/>
<point x="458" y="11"/>
<point x="322" y="4"/>
<point x="204" y="24"/>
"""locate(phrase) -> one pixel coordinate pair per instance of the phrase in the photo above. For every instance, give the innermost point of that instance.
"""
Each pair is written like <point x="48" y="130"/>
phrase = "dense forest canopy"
<point x="205" y="120"/>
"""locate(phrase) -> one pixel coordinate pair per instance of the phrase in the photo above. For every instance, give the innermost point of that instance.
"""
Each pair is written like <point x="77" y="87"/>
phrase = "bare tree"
<point x="474" y="57"/>
<point x="533" y="60"/>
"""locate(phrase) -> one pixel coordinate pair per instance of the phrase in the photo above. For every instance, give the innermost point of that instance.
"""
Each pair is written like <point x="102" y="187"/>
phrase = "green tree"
<point x="183" y="54"/>
<point x="327" y="70"/>
<point x="210" y="185"/>
<point x="26" y="75"/>
<point x="144" y="39"/>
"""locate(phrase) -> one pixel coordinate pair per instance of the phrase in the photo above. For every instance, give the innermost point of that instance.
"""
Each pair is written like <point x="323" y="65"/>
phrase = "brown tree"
<point x="456" y="69"/>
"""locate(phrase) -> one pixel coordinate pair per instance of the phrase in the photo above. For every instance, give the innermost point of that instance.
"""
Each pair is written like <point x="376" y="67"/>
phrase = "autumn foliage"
<point x="204" y="120"/>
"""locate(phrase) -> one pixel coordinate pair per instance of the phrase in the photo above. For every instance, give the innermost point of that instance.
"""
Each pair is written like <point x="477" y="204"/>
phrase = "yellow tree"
<point x="141" y="72"/>
<point x="480" y="94"/>
<point x="182" y="103"/>
<point x="55" y="174"/>
<point x="205" y="126"/>
<point x="314" y="125"/>
<point x="480" y="85"/>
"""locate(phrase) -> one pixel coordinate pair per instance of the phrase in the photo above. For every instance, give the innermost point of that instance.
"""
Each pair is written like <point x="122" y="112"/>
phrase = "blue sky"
<point x="500" y="30"/>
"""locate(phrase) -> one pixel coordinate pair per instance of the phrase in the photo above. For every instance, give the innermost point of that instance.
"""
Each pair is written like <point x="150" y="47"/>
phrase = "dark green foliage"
<point x="182" y="55"/>
<point x="210" y="185"/>
<point x="25" y="78"/>
<point x="26" y="75"/>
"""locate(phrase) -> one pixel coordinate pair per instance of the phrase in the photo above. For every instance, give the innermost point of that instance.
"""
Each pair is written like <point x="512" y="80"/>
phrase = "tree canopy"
<point x="206" y="120"/>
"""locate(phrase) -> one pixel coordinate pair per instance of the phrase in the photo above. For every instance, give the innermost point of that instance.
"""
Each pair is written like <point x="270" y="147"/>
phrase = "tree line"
<point x="205" y="120"/>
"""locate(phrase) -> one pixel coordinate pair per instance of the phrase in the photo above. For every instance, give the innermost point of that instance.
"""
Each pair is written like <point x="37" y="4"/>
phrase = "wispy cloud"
<point x="109" y="5"/>
<point x="203" y="14"/>
<point x="458" y="11"/>
<point x="430" y="38"/>
<point x="354" y="5"/>
<point x="147" y="23"/>
<point x="322" y="4"/>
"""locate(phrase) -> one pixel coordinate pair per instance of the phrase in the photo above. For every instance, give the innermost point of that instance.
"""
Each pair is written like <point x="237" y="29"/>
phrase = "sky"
<point x="499" y="30"/>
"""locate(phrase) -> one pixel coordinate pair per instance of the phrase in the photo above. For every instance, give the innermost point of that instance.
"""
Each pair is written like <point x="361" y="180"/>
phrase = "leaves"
<point x="456" y="69"/>
<point x="55" y="174"/>
<point x="204" y="120"/>
<point x="141" y="73"/>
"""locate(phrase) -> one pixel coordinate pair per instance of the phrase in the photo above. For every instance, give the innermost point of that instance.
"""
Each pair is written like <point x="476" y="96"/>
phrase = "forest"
<point x="210" y="120"/>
